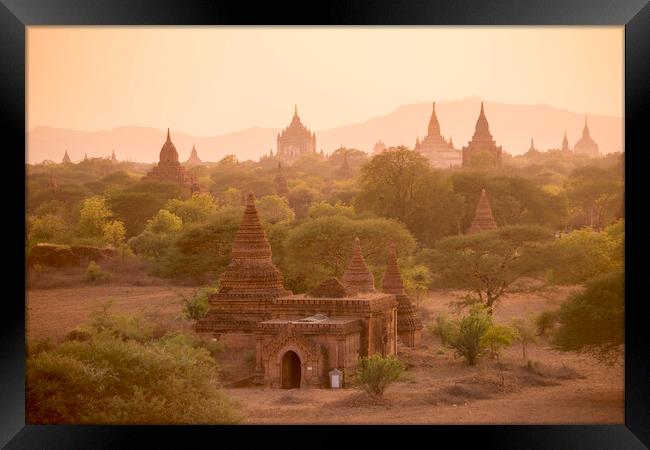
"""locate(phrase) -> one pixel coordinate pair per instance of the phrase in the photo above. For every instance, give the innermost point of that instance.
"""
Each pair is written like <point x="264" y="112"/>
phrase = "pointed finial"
<point x="169" y="139"/>
<point x="295" y="109"/>
<point x="250" y="199"/>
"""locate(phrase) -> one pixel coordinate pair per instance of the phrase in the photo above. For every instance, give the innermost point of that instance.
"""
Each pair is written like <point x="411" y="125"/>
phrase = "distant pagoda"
<point x="481" y="144"/>
<point x="66" y="158"/>
<point x="565" y="146"/>
<point x="532" y="151"/>
<point x="281" y="182"/>
<point x="439" y="151"/>
<point x="379" y="147"/>
<point x="344" y="171"/>
<point x="483" y="218"/>
<point x="113" y="158"/>
<point x="409" y="325"/>
<point x="586" y="145"/>
<point x="357" y="274"/>
<point x="194" y="159"/>
<point x="169" y="169"/>
<point x="295" y="140"/>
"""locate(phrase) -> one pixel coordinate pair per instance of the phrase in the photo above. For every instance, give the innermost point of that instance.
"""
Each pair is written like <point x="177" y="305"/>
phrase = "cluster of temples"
<point x="298" y="338"/>
<point x="295" y="140"/>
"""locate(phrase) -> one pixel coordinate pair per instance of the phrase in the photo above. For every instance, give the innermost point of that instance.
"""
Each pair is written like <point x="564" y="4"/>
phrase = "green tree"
<point x="488" y="263"/>
<point x="496" y="338"/>
<point x="400" y="184"/>
<point x="376" y="373"/>
<point x="47" y="228"/>
<point x="231" y="197"/>
<point x="93" y="217"/>
<point x="417" y="280"/>
<point x="584" y="254"/>
<point x="274" y="209"/>
<point x="593" y="321"/>
<point x="114" y="233"/>
<point x="164" y="222"/>
<point x="317" y="249"/>
<point x="196" y="209"/>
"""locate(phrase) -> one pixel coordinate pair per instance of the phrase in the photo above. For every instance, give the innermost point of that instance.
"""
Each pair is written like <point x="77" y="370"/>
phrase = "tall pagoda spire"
<point x="169" y="139"/>
<point x="565" y="143"/>
<point x="66" y="158"/>
<point x="483" y="218"/>
<point x="357" y="274"/>
<point x="482" y="129"/>
<point x="392" y="282"/>
<point x="434" y="126"/>
<point x="251" y="271"/>
<point x="281" y="182"/>
<point x="585" y="130"/>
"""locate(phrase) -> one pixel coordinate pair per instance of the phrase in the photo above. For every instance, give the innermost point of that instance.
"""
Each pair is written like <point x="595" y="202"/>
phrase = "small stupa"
<point x="66" y="158"/>
<point x="409" y="325"/>
<point x="483" y="218"/>
<point x="357" y="274"/>
<point x="194" y="157"/>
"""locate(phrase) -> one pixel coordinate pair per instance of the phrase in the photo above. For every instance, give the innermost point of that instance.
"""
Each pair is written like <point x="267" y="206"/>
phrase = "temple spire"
<point x="169" y="139"/>
<point x="392" y="282"/>
<point x="357" y="274"/>
<point x="434" y="126"/>
<point x="483" y="218"/>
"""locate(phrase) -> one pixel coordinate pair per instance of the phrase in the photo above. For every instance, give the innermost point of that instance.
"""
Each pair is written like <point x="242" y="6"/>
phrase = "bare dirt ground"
<point x="437" y="388"/>
<point x="52" y="313"/>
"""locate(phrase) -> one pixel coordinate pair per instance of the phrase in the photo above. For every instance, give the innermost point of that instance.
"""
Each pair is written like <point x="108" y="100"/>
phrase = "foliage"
<point x="114" y="233"/>
<point x="274" y="209"/>
<point x="467" y="337"/>
<point x="584" y="254"/>
<point x="545" y="321"/>
<point x="593" y="321"/>
<point x="196" y="306"/>
<point x="376" y="373"/>
<point x="48" y="228"/>
<point x="95" y="273"/>
<point x="201" y="252"/>
<point x="150" y="245"/>
<point x="526" y="333"/>
<point x="487" y="263"/>
<point x="400" y="184"/>
<point x="164" y="222"/>
<point x="496" y="338"/>
<point x="196" y="209"/>
<point x="325" y="209"/>
<point x="417" y="279"/>
<point x="106" y="378"/>
<point x="93" y="216"/>
<point x="136" y="204"/>
<point x="443" y="328"/>
<point x="321" y="248"/>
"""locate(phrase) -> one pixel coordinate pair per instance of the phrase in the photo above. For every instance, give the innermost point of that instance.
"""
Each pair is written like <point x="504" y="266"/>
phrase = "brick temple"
<point x="586" y="145"/>
<point x="298" y="338"/>
<point x="483" y="218"/>
<point x="482" y="149"/>
<point x="295" y="140"/>
<point x="169" y="169"/>
<point x="439" y="151"/>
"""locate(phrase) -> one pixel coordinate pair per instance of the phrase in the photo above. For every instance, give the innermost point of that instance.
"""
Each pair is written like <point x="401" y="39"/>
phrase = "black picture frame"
<point x="15" y="15"/>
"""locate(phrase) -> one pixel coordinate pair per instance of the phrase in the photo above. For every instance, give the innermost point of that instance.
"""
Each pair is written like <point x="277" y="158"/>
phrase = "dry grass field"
<point x="437" y="388"/>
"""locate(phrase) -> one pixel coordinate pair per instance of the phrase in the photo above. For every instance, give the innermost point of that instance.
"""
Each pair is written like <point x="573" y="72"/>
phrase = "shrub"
<point x="466" y="339"/>
<point x="376" y="372"/>
<point x="496" y="338"/>
<point x="443" y="328"/>
<point x="546" y="321"/>
<point x="196" y="307"/>
<point x="114" y="372"/>
<point x="95" y="273"/>
<point x="526" y="334"/>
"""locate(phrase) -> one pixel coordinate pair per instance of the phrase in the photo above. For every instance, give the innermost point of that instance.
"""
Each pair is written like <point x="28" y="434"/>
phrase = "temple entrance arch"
<point x="291" y="370"/>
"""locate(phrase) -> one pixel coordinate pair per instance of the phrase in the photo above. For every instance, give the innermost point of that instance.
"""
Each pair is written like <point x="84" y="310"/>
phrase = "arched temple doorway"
<point x="290" y="370"/>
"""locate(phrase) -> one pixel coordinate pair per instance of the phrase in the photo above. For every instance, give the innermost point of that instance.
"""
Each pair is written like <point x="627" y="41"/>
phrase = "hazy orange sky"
<point x="213" y="80"/>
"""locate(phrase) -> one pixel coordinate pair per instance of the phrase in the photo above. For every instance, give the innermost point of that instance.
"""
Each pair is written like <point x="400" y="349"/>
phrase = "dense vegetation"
<point x="561" y="221"/>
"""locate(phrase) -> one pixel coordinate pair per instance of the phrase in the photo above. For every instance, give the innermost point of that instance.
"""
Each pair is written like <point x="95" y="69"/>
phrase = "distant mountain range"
<point x="512" y="126"/>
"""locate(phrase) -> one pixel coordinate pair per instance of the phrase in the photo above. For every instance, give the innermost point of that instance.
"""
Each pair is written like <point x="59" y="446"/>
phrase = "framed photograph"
<point x="245" y="221"/>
